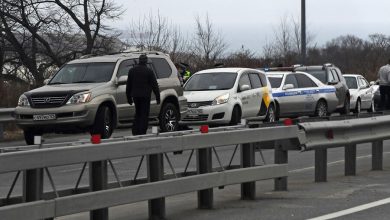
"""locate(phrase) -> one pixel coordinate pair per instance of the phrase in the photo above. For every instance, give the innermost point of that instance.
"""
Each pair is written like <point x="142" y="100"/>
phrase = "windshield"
<point x="84" y="73"/>
<point x="320" y="75"/>
<point x="211" y="81"/>
<point x="275" y="80"/>
<point x="351" y="82"/>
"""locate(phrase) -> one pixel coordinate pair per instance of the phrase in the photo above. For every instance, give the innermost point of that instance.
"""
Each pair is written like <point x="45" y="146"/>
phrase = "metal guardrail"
<point x="316" y="134"/>
<point x="6" y="115"/>
<point x="319" y="136"/>
<point x="35" y="160"/>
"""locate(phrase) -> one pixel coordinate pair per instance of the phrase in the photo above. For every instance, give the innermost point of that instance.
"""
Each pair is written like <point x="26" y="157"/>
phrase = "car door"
<point x="260" y="107"/>
<point x="290" y="102"/>
<point x="341" y="85"/>
<point x="334" y="80"/>
<point x="124" y="110"/>
<point x="246" y="97"/>
<point x="309" y="92"/>
<point x="366" y="93"/>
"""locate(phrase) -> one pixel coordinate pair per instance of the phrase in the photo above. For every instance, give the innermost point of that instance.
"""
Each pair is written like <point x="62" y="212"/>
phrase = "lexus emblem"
<point x="47" y="100"/>
<point x="193" y="105"/>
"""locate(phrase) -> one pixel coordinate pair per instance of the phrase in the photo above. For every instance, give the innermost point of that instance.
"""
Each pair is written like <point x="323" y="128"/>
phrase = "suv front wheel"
<point x="169" y="117"/>
<point x="103" y="122"/>
<point x="29" y="135"/>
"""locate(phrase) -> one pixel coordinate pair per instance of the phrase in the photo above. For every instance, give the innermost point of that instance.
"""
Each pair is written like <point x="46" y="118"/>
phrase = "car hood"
<point x="64" y="88"/>
<point x="202" y="96"/>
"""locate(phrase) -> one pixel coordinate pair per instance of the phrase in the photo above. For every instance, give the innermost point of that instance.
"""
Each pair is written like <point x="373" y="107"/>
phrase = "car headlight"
<point x="23" y="101"/>
<point x="221" y="99"/>
<point x="80" y="98"/>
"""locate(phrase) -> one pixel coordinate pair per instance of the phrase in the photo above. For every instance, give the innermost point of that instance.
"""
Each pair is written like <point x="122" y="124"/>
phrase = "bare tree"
<point x="286" y="45"/>
<point x="41" y="34"/>
<point x="208" y="44"/>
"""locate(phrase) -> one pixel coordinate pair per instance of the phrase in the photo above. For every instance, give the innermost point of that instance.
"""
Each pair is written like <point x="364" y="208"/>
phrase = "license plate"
<point x="195" y="111"/>
<point x="44" y="117"/>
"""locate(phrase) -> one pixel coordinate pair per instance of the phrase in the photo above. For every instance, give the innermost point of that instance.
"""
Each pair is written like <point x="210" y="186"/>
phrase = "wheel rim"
<point x="358" y="107"/>
<point x="322" y="109"/>
<point x="271" y="115"/>
<point x="107" y="123"/>
<point x="170" y="120"/>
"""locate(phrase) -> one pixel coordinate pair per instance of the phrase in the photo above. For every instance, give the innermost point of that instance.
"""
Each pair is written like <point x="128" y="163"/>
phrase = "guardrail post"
<point x="156" y="173"/>
<point x="98" y="181"/>
<point x="204" y="165"/>
<point x="350" y="160"/>
<point x="377" y="155"/>
<point x="321" y="159"/>
<point x="281" y="157"/>
<point x="248" y="190"/>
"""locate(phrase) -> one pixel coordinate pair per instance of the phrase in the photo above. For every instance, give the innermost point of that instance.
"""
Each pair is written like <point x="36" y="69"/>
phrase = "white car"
<point x="362" y="94"/>
<point x="227" y="95"/>
<point x="301" y="94"/>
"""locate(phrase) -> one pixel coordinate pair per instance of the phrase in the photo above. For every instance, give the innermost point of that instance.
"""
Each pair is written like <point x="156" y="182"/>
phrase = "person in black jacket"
<point x="141" y="82"/>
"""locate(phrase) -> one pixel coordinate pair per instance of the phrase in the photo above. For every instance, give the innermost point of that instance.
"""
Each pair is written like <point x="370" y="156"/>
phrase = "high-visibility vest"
<point x="187" y="74"/>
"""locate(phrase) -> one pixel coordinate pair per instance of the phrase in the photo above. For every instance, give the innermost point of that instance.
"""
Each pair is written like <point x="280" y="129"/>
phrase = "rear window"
<point x="163" y="69"/>
<point x="275" y="80"/>
<point x="320" y="75"/>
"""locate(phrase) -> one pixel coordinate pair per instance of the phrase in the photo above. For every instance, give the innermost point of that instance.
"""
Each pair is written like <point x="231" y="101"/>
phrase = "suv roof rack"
<point x="287" y="68"/>
<point x="88" y="56"/>
<point x="142" y="52"/>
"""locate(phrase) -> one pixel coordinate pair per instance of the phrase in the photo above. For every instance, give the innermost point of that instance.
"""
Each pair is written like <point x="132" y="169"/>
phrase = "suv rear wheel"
<point x="169" y="117"/>
<point x="346" y="109"/>
<point x="103" y="122"/>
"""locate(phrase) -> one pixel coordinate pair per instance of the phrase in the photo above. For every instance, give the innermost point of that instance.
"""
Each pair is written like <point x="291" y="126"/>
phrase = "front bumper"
<point x="215" y="114"/>
<point x="78" y="115"/>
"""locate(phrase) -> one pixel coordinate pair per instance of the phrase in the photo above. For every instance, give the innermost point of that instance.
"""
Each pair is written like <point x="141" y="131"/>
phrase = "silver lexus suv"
<point x="89" y="94"/>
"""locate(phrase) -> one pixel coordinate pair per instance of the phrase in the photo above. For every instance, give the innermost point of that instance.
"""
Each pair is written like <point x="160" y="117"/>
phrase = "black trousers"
<point x="385" y="97"/>
<point x="141" y="119"/>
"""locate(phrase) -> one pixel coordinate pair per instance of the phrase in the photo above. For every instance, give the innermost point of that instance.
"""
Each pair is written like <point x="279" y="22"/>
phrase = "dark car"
<point x="331" y="75"/>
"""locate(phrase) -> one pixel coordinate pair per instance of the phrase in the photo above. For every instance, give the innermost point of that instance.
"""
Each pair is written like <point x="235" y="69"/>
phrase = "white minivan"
<point x="226" y="95"/>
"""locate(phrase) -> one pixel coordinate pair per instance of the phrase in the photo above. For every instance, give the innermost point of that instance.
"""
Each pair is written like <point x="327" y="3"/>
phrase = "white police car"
<point x="225" y="95"/>
<point x="299" y="94"/>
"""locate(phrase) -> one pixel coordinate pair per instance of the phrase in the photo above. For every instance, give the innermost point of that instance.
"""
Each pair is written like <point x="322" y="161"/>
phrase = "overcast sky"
<point x="252" y="22"/>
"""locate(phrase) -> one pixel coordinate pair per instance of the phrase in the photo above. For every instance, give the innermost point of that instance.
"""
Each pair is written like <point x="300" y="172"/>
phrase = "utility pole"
<point x="303" y="31"/>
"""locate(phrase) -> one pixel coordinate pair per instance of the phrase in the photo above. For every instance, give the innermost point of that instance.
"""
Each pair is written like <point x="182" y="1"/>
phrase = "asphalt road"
<point x="304" y="199"/>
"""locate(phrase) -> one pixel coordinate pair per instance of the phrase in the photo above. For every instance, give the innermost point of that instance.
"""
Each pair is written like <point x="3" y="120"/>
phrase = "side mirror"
<point x="244" y="88"/>
<point x="332" y="82"/>
<point x="122" y="80"/>
<point x="372" y="83"/>
<point x="288" y="86"/>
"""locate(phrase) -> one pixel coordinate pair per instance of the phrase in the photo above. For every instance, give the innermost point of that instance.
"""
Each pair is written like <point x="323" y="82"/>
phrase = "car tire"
<point x="169" y="118"/>
<point x="236" y="116"/>
<point x="346" y="108"/>
<point x="29" y="135"/>
<point x="358" y="107"/>
<point x="104" y="124"/>
<point x="321" y="109"/>
<point x="271" y="114"/>
<point x="372" y="108"/>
